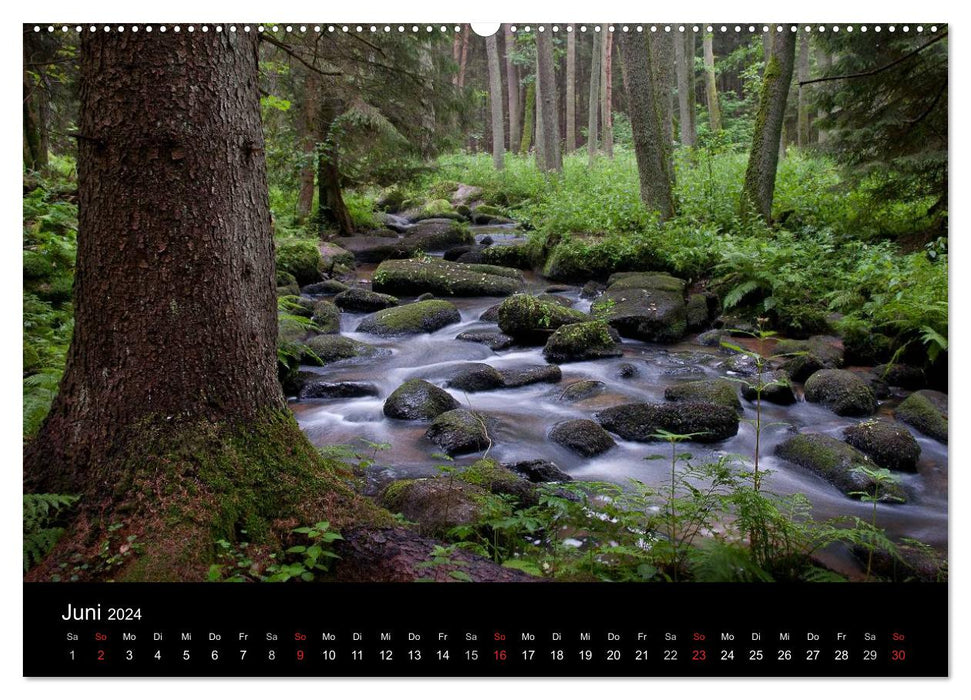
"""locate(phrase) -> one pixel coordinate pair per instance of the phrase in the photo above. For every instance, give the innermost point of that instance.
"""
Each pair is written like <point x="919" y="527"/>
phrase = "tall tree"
<point x="529" y="117"/>
<point x="645" y="120"/>
<point x="332" y="211"/>
<point x="662" y="62"/>
<point x="512" y="87"/>
<point x="802" y="127"/>
<point x="593" y="109"/>
<point x="606" y="89"/>
<point x="170" y="418"/>
<point x="824" y="61"/>
<point x="307" y="129"/>
<point x="685" y="66"/>
<point x="711" y="89"/>
<point x="495" y="101"/>
<point x="571" y="88"/>
<point x="546" y="96"/>
<point x="540" y="124"/>
<point x="763" y="159"/>
<point x="38" y="53"/>
<point x="464" y="54"/>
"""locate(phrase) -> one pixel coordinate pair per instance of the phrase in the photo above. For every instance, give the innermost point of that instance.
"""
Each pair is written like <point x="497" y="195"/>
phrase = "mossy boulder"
<point x="326" y="349"/>
<point x="364" y="300"/>
<point x="321" y="389"/>
<point x="535" y="374"/>
<point x="496" y="478"/>
<point x="522" y="256"/>
<point x="453" y="254"/>
<point x="446" y="279"/>
<point x="459" y="431"/>
<point x="836" y="462"/>
<point x="539" y="471"/>
<point x="532" y="320"/>
<point x="583" y="389"/>
<point x="809" y="356"/>
<point x="436" y="504"/>
<point x="907" y="563"/>
<point x="438" y="235"/>
<point x="861" y="346"/>
<point x="904" y="376"/>
<point x="375" y="249"/>
<point x="476" y="376"/>
<point x="296" y="306"/>
<point x="842" y="391"/>
<point x="324" y="287"/>
<point x="696" y="312"/>
<point x="411" y="319"/>
<point x="301" y="258"/>
<point x="555" y="299"/>
<point x="645" y="306"/>
<point x="436" y="209"/>
<point x="326" y="317"/>
<point x="776" y="388"/>
<point x="334" y="259"/>
<point x="717" y="391"/>
<point x="890" y="446"/>
<point x="579" y="342"/>
<point x="582" y="436"/>
<point x="286" y="284"/>
<point x="580" y="258"/>
<point x="494" y="340"/>
<point x="417" y="399"/>
<point x="646" y="280"/>
<point x="640" y="422"/>
<point x="926" y="410"/>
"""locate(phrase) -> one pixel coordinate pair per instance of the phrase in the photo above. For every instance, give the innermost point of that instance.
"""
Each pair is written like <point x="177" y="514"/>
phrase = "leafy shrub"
<point x="43" y="524"/>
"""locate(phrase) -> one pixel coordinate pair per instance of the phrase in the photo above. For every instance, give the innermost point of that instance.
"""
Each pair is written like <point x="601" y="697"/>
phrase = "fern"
<point x="41" y="531"/>
<point x="739" y="292"/>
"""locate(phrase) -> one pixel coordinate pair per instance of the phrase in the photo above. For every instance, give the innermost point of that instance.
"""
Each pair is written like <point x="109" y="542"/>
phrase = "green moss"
<point x="299" y="257"/>
<point x="437" y="207"/>
<point x="326" y="317"/>
<point x="920" y="411"/>
<point x="577" y="342"/>
<point x="523" y="316"/>
<point x="419" y="317"/>
<point x="442" y="278"/>
<point x="842" y="391"/>
<point x="646" y="280"/>
<point x="717" y="391"/>
<point x="332" y="348"/>
<point x="522" y="256"/>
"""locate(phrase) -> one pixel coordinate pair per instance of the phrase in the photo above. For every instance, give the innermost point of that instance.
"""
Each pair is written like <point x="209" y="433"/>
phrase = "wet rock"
<point x="559" y="289"/>
<point x="641" y="421"/>
<point x="459" y="432"/>
<point x="372" y="249"/>
<point x="582" y="436"/>
<point x="425" y="297"/>
<point x="324" y="287"/>
<point x="297" y="306"/>
<point x="522" y="256"/>
<point x="645" y="306"/>
<point x="713" y="338"/>
<point x="486" y="241"/>
<point x="536" y="374"/>
<point x="453" y="254"/>
<point x="591" y="290"/>
<point x="416" y="399"/>
<point x="438" y="234"/>
<point x="696" y="312"/>
<point x="890" y="446"/>
<point x="495" y="478"/>
<point x="646" y="280"/>
<point x="476" y="376"/>
<point x="531" y="320"/>
<point x="363" y="300"/>
<point x="490" y="315"/>
<point x="492" y="339"/>
<point x="294" y="381"/>
<point x="436" y="210"/>
<point x="861" y="346"/>
<point x="326" y="317"/>
<point x="411" y="319"/>
<point x="625" y="370"/>
<point x="776" y="388"/>
<point x="337" y="390"/>
<point x="926" y="410"/>
<point x="442" y="278"/>
<point x="436" y="504"/>
<point x="300" y="257"/>
<point x="716" y="391"/>
<point x="907" y="563"/>
<point x="583" y="389"/>
<point x="327" y="349"/>
<point x="555" y="299"/>
<point x="286" y="284"/>
<point x="743" y="365"/>
<point x="836" y="461"/>
<point x="816" y="353"/>
<point x="465" y="194"/>
<point x="842" y="392"/>
<point x="334" y="259"/>
<point x="579" y="342"/>
<point x="904" y="376"/>
<point x="540" y="471"/>
<point x="735" y="325"/>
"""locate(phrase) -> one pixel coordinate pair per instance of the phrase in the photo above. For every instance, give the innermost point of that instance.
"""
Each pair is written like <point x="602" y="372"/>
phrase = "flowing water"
<point x="526" y="414"/>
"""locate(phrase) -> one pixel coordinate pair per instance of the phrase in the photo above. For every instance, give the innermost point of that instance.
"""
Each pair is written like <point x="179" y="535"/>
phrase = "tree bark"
<point x="546" y="96"/>
<point x="571" y="89"/>
<point x="36" y="103"/>
<point x="308" y="129"/>
<point x="764" y="158"/>
<point x="662" y="59"/>
<point x="652" y="165"/>
<point x="606" y="90"/>
<point x="824" y="61"/>
<point x="711" y="90"/>
<point x="495" y="101"/>
<point x="593" y="104"/>
<point x="332" y="212"/>
<point x="528" y="118"/>
<point x="686" y="97"/>
<point x="802" y="129"/>
<point x="540" y="140"/>
<point x="512" y="87"/>
<point x="464" y="55"/>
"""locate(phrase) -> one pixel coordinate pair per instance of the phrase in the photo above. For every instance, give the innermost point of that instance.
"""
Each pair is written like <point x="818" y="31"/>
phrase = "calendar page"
<point x="612" y="349"/>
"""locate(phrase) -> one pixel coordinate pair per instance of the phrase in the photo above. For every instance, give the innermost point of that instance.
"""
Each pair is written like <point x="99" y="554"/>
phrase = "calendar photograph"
<point x="573" y="304"/>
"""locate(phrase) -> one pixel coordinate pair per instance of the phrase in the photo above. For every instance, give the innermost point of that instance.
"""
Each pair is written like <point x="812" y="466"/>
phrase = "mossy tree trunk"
<point x="495" y="101"/>
<point x="528" y="118"/>
<point x="571" y="88"/>
<point x="662" y="62"/>
<point x="685" y="65"/>
<point x="759" y="187"/>
<point x="802" y="129"/>
<point x="37" y="53"/>
<point x="546" y="92"/>
<point x="593" y="112"/>
<point x="307" y="125"/>
<point x="512" y="87"/>
<point x="711" y="89"/>
<point x="332" y="212"/>
<point x="645" y="119"/>
<point x="606" y="89"/>
<point x="170" y="419"/>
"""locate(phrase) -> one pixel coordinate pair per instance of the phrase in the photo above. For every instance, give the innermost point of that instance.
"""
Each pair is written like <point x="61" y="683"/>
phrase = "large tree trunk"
<point x="170" y="419"/>
<point x="606" y="89"/>
<point x="332" y="213"/>
<point x="686" y="97"/>
<point x="711" y="90"/>
<point x="593" y="108"/>
<point x="662" y="58"/>
<point x="512" y="87"/>
<point x="528" y="118"/>
<point x="546" y="96"/>
<point x="652" y="164"/>
<point x="495" y="101"/>
<point x="571" y="89"/>
<point x="764" y="157"/>
<point x="802" y="129"/>
<point x="308" y="128"/>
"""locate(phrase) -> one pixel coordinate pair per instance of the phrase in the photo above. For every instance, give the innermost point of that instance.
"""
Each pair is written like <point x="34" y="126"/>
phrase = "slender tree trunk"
<point x="512" y="87"/>
<point x="802" y="132"/>
<point x="332" y="212"/>
<point x="495" y="101"/>
<point x="546" y="96"/>
<point x="36" y="103"/>
<point x="711" y="90"/>
<point x="528" y="118"/>
<point x="426" y="63"/>
<point x="464" y="55"/>
<point x="686" y="97"/>
<point x="540" y="124"/>
<point x="652" y="164"/>
<point x="571" y="89"/>
<point x="593" y="106"/>
<point x="662" y="60"/>
<point x="763" y="159"/>
<point x="606" y="90"/>
<point x="824" y="61"/>
<point x="308" y="130"/>
<point x="766" y="49"/>
<point x="456" y="55"/>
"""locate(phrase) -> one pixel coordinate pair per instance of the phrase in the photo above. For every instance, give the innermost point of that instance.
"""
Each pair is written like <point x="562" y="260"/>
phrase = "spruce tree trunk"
<point x="36" y="110"/>
<point x="464" y="55"/>
<point x="546" y="95"/>
<point x="606" y="90"/>
<point x="711" y="90"/>
<point x="764" y="158"/>
<point x="686" y="97"/>
<point x="512" y="87"/>
<point x="332" y="212"/>
<point x="802" y="129"/>
<point x="495" y="101"/>
<point x="307" y="124"/>
<point x="652" y="164"/>
<point x="593" y="104"/>
<point x="528" y="118"/>
<point x="540" y="153"/>
<point x="662" y="58"/>
<point x="824" y="61"/>
<point x="571" y="89"/>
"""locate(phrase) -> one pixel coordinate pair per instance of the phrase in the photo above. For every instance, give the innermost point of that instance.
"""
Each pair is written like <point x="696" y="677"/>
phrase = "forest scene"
<point x="610" y="302"/>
